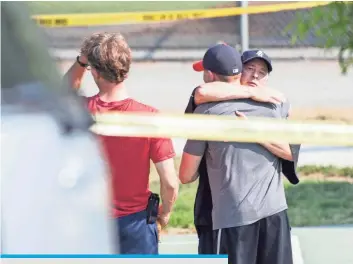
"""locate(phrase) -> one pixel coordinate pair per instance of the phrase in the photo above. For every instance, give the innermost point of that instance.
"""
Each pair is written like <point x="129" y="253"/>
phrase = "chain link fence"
<point x="269" y="30"/>
<point x="265" y="31"/>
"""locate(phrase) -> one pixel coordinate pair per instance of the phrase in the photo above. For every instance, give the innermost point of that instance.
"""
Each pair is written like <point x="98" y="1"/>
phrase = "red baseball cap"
<point x="198" y="66"/>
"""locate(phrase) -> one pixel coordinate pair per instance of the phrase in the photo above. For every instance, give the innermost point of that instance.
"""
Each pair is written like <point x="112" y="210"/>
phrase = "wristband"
<point x="84" y="65"/>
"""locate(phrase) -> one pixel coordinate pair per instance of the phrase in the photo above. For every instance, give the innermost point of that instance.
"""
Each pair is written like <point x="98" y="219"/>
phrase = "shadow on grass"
<point x="320" y="203"/>
<point x="326" y="171"/>
<point x="310" y="204"/>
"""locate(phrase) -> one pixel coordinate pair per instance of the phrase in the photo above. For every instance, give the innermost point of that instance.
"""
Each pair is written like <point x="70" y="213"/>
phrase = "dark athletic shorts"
<point x="205" y="235"/>
<point x="267" y="241"/>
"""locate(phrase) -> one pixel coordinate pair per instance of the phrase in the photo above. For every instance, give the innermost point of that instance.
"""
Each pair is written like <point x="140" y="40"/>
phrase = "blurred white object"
<point x="54" y="183"/>
<point x="54" y="189"/>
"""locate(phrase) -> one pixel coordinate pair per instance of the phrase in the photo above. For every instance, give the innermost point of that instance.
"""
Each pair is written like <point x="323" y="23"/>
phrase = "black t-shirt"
<point x="203" y="199"/>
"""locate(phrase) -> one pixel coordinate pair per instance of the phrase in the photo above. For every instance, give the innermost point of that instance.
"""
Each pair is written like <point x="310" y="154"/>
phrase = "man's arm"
<point x="289" y="166"/>
<point x="188" y="171"/>
<point x="168" y="183"/>
<point x="162" y="154"/>
<point x="281" y="150"/>
<point x="193" y="153"/>
<point x="75" y="74"/>
<point x="221" y="91"/>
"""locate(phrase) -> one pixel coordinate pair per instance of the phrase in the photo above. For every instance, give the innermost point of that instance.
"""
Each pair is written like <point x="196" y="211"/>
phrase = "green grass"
<point x="72" y="7"/>
<point x="310" y="204"/>
<point x="182" y="215"/>
<point x="320" y="203"/>
<point x="326" y="170"/>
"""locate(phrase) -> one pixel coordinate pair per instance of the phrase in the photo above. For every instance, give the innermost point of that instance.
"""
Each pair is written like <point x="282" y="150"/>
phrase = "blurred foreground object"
<point x="54" y="183"/>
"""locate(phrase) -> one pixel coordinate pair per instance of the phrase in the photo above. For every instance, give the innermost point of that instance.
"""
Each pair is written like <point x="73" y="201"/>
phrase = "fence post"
<point x="244" y="28"/>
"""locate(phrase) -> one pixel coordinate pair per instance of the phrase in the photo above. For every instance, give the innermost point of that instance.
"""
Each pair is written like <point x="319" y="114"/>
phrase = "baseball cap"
<point x="256" y="54"/>
<point x="220" y="59"/>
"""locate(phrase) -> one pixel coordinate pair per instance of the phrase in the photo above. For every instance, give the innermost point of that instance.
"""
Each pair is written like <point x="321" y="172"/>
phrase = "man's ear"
<point x="95" y="73"/>
<point x="213" y="76"/>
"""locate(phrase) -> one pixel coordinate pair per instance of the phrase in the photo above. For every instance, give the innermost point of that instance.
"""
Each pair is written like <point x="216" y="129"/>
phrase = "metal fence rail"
<point x="266" y="30"/>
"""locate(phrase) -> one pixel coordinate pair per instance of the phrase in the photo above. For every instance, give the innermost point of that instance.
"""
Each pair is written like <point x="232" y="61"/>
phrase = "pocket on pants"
<point x="154" y="231"/>
<point x="287" y="221"/>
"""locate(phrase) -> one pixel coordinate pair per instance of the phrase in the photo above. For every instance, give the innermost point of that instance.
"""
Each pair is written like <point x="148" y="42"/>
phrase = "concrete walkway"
<point x="311" y="245"/>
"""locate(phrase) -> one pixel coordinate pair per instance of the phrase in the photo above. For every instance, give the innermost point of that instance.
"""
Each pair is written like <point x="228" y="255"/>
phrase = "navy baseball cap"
<point x="257" y="54"/>
<point x="220" y="59"/>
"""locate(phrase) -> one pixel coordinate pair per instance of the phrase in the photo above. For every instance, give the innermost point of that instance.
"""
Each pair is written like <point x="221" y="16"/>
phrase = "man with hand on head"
<point x="134" y="207"/>
<point x="245" y="181"/>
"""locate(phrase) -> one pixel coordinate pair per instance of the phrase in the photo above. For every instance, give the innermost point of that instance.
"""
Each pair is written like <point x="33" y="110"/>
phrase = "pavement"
<point x="168" y="85"/>
<point x="311" y="245"/>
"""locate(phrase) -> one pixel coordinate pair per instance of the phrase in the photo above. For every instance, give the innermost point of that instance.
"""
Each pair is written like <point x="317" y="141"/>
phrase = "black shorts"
<point x="267" y="241"/>
<point x="205" y="235"/>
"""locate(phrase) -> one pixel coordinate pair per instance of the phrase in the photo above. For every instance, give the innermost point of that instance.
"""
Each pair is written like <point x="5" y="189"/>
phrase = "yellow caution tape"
<point x="223" y="128"/>
<point x="76" y="20"/>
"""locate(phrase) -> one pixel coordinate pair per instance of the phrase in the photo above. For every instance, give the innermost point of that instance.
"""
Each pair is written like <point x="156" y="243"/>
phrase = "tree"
<point x="332" y="25"/>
